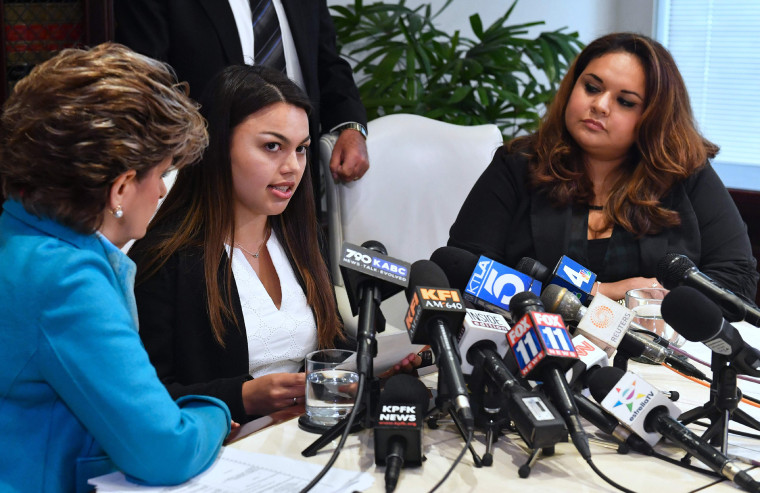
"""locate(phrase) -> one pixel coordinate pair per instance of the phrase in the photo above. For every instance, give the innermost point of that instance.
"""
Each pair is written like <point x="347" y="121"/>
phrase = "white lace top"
<point x="278" y="340"/>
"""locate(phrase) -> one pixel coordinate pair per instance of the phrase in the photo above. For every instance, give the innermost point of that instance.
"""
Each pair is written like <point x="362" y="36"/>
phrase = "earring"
<point x="118" y="213"/>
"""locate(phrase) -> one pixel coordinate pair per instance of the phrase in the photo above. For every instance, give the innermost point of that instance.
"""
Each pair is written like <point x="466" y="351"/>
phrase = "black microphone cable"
<point x="690" y="467"/>
<point x="607" y="479"/>
<point x="752" y="401"/>
<point x="734" y="432"/>
<point x="456" y="461"/>
<point x="346" y="432"/>
<point x="705" y="363"/>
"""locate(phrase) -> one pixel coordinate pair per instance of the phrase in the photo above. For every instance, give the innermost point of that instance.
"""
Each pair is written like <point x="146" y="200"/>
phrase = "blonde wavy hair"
<point x="84" y="117"/>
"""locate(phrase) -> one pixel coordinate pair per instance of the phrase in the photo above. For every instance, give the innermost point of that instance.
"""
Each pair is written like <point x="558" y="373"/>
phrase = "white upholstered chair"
<point x="421" y="170"/>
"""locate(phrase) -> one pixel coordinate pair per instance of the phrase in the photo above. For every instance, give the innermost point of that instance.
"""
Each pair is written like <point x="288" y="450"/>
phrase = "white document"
<point x="238" y="471"/>
<point x="392" y="347"/>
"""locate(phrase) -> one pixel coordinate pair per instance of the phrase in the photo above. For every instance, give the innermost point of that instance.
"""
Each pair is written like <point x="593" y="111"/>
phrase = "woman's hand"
<point x="234" y="425"/>
<point x="409" y="364"/>
<point x="270" y="393"/>
<point x="616" y="290"/>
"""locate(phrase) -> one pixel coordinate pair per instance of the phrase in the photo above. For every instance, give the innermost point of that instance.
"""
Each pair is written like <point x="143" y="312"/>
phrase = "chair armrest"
<point x="334" y="227"/>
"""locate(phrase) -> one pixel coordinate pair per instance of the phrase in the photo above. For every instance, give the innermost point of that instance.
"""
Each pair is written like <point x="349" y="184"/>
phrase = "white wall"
<point x="590" y="18"/>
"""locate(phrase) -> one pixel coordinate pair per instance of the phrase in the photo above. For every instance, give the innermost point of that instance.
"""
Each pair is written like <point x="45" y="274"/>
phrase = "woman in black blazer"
<point x="616" y="177"/>
<point x="246" y="205"/>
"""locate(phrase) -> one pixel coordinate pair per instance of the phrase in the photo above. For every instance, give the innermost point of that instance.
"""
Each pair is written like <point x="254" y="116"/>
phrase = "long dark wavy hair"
<point x="198" y="211"/>
<point x="668" y="147"/>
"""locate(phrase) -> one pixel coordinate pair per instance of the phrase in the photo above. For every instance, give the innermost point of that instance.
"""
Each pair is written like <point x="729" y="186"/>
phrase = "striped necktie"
<point x="267" y="37"/>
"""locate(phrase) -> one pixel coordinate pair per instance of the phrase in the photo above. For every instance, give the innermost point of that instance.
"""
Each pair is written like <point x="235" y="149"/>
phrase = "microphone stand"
<point x="371" y="320"/>
<point x="621" y="359"/>
<point x="443" y="403"/>
<point x="722" y="406"/>
<point x="489" y="407"/>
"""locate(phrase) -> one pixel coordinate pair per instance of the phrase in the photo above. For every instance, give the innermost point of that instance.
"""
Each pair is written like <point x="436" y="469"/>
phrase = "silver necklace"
<point x="254" y="255"/>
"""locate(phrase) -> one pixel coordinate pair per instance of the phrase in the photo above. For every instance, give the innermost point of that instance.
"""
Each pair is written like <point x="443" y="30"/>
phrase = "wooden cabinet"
<point x="748" y="203"/>
<point x="35" y="30"/>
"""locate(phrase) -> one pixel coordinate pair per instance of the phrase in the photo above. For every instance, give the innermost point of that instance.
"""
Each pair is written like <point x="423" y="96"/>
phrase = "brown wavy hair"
<point x="198" y="211"/>
<point x="84" y="117"/>
<point x="668" y="147"/>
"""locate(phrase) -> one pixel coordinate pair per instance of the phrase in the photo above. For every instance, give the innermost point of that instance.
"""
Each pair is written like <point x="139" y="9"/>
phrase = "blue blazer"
<point x="78" y="394"/>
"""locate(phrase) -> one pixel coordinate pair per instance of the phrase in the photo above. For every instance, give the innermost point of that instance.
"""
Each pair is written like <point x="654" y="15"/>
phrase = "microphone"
<point x="590" y="356"/>
<point x="606" y="323"/>
<point x="647" y="412"/>
<point x="610" y="425"/>
<point x="370" y="277"/>
<point x="698" y="319"/>
<point x="489" y="285"/>
<point x="544" y="351"/>
<point x="402" y="407"/>
<point x="433" y="309"/>
<point x="534" y="269"/>
<point x="368" y="268"/>
<point x="483" y="344"/>
<point x="457" y="263"/>
<point x="567" y="274"/>
<point x="678" y="270"/>
<point x="485" y="330"/>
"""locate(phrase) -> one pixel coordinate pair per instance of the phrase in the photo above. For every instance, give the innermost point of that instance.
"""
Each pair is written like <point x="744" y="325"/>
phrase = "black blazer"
<point x="176" y="330"/>
<point x="505" y="220"/>
<point x="198" y="38"/>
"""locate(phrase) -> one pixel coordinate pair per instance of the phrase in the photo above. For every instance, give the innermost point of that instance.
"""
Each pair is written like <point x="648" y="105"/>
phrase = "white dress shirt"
<point x="241" y="9"/>
<point x="278" y="339"/>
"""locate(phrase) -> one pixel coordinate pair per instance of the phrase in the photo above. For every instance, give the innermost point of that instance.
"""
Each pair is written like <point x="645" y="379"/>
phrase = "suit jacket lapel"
<point x="683" y="238"/>
<point x="304" y="21"/>
<point x="298" y="22"/>
<point x="224" y="22"/>
<point x="547" y="224"/>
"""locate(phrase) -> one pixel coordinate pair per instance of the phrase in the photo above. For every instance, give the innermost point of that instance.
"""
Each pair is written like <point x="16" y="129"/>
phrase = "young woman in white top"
<point x="232" y="289"/>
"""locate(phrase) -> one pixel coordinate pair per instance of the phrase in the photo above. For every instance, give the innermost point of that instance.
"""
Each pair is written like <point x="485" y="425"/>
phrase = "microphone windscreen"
<point x="534" y="269"/>
<point x="458" y="265"/>
<point x="691" y="313"/>
<point x="401" y="410"/>
<point x="405" y="389"/>
<point x="603" y="380"/>
<point x="559" y="300"/>
<point x="671" y="269"/>
<point x="425" y="273"/>
<point x="375" y="246"/>
<point x="524" y="302"/>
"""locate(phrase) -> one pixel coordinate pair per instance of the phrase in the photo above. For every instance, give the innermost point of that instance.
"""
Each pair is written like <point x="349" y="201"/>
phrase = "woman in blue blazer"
<point x="85" y="140"/>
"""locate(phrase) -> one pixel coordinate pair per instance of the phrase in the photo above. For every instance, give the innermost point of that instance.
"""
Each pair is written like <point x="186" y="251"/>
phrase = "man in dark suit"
<point x="198" y="38"/>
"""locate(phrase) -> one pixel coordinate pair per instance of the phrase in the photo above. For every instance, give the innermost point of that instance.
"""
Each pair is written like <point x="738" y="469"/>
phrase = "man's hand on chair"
<point x="349" y="159"/>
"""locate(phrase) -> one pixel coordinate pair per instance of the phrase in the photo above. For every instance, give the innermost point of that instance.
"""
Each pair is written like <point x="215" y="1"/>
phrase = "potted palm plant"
<point x="405" y="64"/>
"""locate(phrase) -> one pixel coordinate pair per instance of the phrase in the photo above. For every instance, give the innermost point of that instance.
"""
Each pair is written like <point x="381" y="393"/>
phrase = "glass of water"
<point x="645" y="304"/>
<point x="330" y="389"/>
